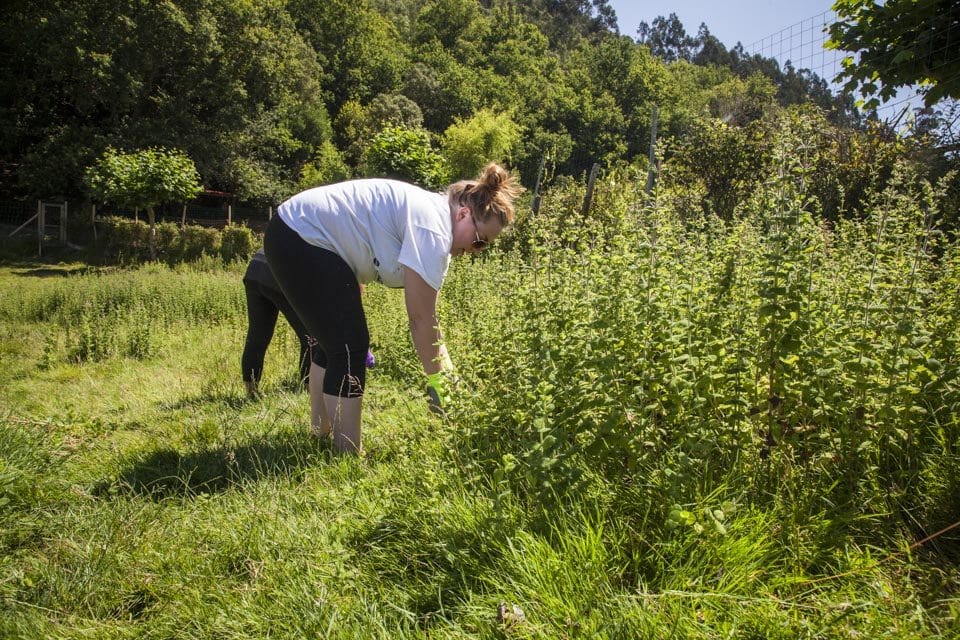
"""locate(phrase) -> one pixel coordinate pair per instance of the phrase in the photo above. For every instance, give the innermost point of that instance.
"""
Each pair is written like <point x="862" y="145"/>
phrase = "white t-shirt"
<point x="378" y="227"/>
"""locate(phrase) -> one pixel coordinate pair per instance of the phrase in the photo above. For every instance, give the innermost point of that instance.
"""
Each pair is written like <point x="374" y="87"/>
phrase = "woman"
<point x="265" y="302"/>
<point x="324" y="242"/>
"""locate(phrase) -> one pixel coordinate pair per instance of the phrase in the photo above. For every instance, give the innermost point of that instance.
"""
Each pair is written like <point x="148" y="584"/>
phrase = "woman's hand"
<point x="439" y="391"/>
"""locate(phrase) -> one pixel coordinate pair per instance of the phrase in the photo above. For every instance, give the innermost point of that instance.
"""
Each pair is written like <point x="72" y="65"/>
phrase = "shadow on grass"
<point x="228" y="399"/>
<point x="54" y="272"/>
<point x="434" y="559"/>
<point x="205" y="400"/>
<point x="170" y="473"/>
<point x="48" y="266"/>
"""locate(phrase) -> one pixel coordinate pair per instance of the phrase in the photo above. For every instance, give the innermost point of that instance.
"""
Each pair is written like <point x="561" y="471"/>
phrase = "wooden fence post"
<point x="63" y="223"/>
<point x="229" y="214"/>
<point x="588" y="200"/>
<point x="535" y="206"/>
<point x="41" y="227"/>
<point x="652" y="170"/>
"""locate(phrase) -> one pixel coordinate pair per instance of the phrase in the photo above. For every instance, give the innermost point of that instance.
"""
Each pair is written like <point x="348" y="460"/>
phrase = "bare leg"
<point x="320" y="425"/>
<point x="345" y="415"/>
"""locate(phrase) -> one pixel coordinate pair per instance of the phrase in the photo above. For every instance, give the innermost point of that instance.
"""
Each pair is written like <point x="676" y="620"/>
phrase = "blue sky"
<point x="731" y="21"/>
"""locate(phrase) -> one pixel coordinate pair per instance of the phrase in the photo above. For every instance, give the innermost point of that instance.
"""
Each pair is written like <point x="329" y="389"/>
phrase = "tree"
<point x="899" y="43"/>
<point x="566" y="21"/>
<point x="359" y="50"/>
<point x="667" y="38"/>
<point x="469" y="144"/>
<point x="406" y="154"/>
<point x="231" y="82"/>
<point x="144" y="179"/>
<point x="455" y="24"/>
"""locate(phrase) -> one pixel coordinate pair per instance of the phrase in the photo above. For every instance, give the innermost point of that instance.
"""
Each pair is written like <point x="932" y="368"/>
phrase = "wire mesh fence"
<point x="804" y="46"/>
<point x="16" y="212"/>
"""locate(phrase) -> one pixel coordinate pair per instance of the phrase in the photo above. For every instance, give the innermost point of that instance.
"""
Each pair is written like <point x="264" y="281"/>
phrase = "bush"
<point x="237" y="242"/>
<point x="470" y="144"/>
<point x="168" y="240"/>
<point x="328" y="166"/>
<point x="197" y="241"/>
<point x="405" y="154"/>
<point x="123" y="239"/>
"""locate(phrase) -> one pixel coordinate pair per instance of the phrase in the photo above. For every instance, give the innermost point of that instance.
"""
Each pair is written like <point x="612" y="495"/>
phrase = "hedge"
<point x="125" y="240"/>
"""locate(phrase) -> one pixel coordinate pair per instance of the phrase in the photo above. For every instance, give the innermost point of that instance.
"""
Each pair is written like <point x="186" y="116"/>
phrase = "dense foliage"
<point x="270" y="97"/>
<point x="724" y="406"/>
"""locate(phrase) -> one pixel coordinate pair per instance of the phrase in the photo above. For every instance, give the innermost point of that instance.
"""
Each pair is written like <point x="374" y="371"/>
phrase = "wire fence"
<point x="18" y="212"/>
<point x="803" y="45"/>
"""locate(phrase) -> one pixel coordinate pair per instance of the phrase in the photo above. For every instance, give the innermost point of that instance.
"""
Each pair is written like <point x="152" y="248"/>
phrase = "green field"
<point x="666" y="429"/>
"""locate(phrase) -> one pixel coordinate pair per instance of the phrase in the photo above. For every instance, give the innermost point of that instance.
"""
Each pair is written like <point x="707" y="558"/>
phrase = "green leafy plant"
<point x="898" y="44"/>
<point x="144" y="179"/>
<point x="407" y="154"/>
<point x="471" y="143"/>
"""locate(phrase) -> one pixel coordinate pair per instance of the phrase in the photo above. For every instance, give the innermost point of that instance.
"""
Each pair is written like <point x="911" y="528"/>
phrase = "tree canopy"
<point x="270" y="95"/>
<point x="143" y="179"/>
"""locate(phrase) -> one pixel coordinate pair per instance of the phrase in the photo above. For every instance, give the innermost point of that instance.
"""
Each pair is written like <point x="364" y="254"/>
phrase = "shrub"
<point x="237" y="242"/>
<point x="123" y="239"/>
<point x="328" y="166"/>
<point x="470" y="144"/>
<point x="196" y="241"/>
<point x="405" y="154"/>
<point x="168" y="240"/>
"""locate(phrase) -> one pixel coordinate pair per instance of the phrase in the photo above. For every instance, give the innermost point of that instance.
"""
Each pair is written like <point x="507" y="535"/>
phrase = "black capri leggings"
<point x="264" y="304"/>
<point x="325" y="294"/>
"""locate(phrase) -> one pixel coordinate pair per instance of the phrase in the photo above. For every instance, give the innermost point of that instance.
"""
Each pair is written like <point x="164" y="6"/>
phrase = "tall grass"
<point x="666" y="428"/>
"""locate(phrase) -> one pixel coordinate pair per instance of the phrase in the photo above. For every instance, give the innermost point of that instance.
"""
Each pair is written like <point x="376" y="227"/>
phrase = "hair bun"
<point x="493" y="177"/>
<point x="491" y="194"/>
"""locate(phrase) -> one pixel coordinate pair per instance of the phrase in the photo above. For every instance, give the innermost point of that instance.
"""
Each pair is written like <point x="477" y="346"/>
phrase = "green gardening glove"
<point x="439" y="391"/>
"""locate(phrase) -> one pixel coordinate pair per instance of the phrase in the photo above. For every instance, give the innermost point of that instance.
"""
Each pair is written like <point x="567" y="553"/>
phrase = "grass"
<point x="144" y="497"/>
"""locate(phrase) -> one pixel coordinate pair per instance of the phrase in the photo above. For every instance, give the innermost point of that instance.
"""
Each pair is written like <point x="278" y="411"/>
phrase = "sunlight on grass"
<point x="637" y="450"/>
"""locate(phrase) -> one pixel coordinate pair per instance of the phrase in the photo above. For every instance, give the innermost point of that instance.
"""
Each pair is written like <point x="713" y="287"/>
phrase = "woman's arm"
<point x="421" y="301"/>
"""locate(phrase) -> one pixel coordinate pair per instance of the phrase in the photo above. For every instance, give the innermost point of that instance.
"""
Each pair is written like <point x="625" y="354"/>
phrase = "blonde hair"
<point x="490" y="195"/>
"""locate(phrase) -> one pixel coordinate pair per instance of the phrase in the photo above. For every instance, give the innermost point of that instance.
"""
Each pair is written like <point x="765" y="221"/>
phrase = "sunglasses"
<point x="479" y="244"/>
